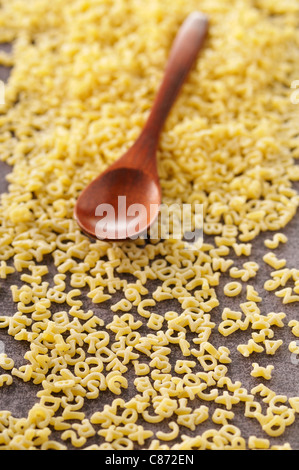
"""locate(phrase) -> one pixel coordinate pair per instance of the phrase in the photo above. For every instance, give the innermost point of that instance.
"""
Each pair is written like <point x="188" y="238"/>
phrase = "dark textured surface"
<point x="20" y="396"/>
<point x="5" y="71"/>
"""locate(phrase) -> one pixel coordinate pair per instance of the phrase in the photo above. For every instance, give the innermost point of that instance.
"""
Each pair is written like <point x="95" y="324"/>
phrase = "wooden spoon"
<point x="124" y="200"/>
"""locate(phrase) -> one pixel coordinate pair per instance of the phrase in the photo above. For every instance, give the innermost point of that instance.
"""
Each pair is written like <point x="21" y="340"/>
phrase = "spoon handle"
<point x="186" y="46"/>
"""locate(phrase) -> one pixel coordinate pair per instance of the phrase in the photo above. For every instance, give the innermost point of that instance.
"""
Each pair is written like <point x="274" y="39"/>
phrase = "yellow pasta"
<point x="293" y="347"/>
<point x="294" y="324"/>
<point x="232" y="289"/>
<point x="273" y="261"/>
<point x="155" y="321"/>
<point x="148" y="352"/>
<point x="5" y="270"/>
<point x="242" y="249"/>
<point x="259" y="371"/>
<point x="252" y="294"/>
<point x="171" y="435"/>
<point x="6" y="363"/>
<point x="5" y="379"/>
<point x="277" y="239"/>
<point x="221" y="416"/>
<point x="258" y="443"/>
<point x="287" y="295"/>
<point x="249" y="348"/>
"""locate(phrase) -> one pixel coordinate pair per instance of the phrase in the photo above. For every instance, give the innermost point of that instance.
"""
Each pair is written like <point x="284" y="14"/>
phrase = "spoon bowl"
<point x="123" y="202"/>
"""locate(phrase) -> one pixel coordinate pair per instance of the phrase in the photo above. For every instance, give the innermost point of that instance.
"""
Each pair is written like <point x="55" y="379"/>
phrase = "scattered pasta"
<point x="259" y="371"/>
<point x="137" y="326"/>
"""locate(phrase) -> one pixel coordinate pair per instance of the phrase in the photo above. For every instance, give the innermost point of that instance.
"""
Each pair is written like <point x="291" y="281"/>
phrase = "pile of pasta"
<point x="132" y="345"/>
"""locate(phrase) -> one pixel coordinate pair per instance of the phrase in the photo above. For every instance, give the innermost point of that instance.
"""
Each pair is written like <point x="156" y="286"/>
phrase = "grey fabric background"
<point x="20" y="397"/>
